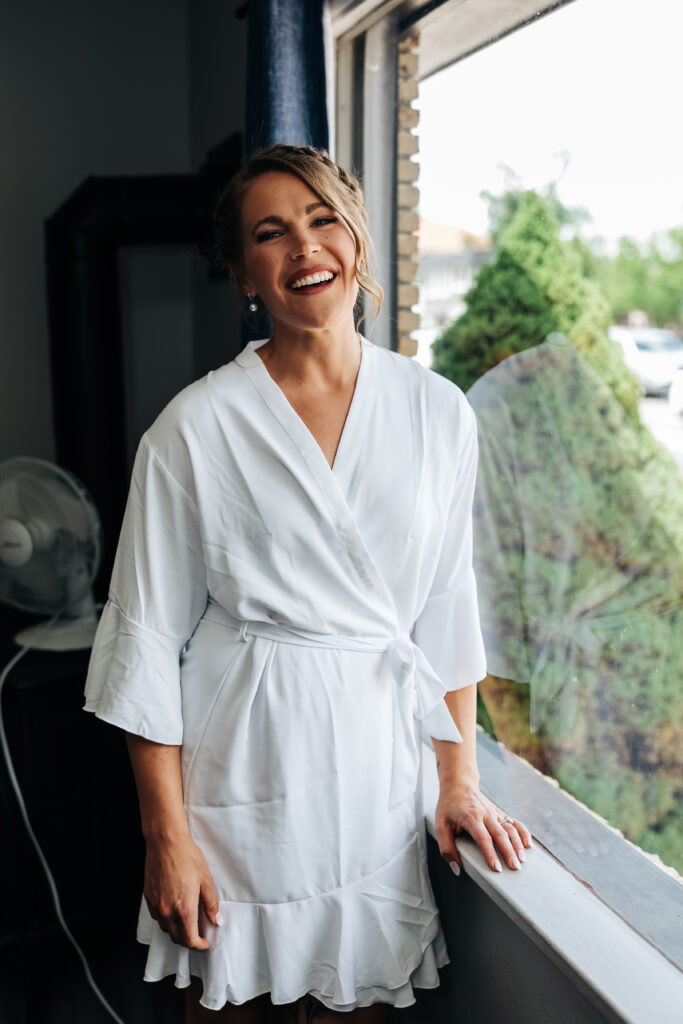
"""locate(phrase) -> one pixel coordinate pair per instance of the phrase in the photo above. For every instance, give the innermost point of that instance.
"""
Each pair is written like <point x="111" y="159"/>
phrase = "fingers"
<point x="482" y="837"/>
<point x="209" y="898"/>
<point x="501" y="839"/>
<point x="519" y="836"/>
<point x="185" y="927"/>
<point x="447" y="848"/>
<point x="495" y="837"/>
<point x="511" y="837"/>
<point x="180" y="922"/>
<point x="508" y="841"/>
<point x="522" y="832"/>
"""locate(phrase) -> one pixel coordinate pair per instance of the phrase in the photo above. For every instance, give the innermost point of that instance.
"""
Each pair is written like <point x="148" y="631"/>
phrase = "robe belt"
<point x="418" y="694"/>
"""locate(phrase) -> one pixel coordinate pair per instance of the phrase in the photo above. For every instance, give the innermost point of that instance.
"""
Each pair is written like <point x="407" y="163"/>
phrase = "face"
<point x="289" y="235"/>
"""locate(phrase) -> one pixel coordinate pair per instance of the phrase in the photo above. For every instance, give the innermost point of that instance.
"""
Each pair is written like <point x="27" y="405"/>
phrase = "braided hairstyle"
<point x="330" y="182"/>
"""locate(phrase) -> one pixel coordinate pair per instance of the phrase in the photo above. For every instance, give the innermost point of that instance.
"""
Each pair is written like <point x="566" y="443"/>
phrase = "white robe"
<point x="289" y="624"/>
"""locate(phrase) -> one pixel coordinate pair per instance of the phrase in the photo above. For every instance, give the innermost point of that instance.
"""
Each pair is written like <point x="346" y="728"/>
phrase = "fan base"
<point x="63" y="635"/>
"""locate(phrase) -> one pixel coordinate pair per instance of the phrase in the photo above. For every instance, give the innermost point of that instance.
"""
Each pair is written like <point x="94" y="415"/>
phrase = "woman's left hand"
<point x="464" y="808"/>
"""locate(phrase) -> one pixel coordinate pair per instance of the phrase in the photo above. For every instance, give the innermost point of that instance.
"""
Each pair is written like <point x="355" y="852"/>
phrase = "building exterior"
<point x="448" y="262"/>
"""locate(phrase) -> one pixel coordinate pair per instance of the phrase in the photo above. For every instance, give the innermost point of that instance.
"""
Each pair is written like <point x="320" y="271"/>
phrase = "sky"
<point x="598" y="80"/>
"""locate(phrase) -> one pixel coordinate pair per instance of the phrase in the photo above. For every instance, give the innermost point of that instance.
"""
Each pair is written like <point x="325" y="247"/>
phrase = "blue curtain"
<point x="286" y="90"/>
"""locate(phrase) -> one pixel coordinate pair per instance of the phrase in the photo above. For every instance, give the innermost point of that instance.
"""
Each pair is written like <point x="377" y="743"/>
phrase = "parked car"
<point x="654" y="354"/>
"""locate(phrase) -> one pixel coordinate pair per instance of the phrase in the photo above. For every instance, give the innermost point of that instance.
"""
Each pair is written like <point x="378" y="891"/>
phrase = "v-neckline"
<point x="333" y="482"/>
<point x="287" y="412"/>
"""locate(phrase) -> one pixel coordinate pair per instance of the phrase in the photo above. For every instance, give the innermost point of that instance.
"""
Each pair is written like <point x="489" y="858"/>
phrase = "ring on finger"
<point x="505" y="821"/>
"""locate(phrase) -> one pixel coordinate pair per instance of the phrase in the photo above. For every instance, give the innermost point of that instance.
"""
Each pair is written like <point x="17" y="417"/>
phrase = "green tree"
<point x="535" y="284"/>
<point x="645" y="276"/>
<point x="507" y="312"/>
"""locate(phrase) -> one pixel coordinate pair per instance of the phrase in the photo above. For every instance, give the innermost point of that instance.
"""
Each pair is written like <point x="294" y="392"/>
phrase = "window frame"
<point x="366" y="78"/>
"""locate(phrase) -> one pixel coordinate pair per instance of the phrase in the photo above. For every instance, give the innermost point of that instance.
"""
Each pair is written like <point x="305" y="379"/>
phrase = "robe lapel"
<point x="330" y="481"/>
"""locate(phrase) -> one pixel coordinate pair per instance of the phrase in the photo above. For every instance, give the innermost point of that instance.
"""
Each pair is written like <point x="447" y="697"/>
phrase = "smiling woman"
<point x="302" y="250"/>
<point x="292" y="599"/>
<point x="331" y="200"/>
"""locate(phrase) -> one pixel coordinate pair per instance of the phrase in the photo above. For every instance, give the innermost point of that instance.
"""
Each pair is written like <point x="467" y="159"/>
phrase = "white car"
<point x="654" y="354"/>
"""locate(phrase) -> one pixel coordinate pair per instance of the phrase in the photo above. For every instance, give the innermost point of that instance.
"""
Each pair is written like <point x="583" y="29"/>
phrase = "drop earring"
<point x="253" y="304"/>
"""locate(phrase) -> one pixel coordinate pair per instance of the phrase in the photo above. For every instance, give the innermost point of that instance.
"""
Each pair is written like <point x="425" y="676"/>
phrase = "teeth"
<point x="302" y="282"/>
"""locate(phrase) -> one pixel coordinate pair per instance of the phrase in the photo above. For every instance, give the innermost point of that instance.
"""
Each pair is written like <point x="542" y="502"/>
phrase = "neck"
<point x="328" y="357"/>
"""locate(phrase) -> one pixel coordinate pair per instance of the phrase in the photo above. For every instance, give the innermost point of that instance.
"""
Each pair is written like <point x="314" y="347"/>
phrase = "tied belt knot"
<point x="417" y="694"/>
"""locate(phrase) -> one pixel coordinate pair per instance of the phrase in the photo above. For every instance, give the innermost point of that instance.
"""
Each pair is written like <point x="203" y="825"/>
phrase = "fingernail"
<point x="455" y="868"/>
<point x="531" y="844"/>
<point x="515" y="863"/>
<point x="522" y="856"/>
<point x="497" y="866"/>
<point x="219" y="919"/>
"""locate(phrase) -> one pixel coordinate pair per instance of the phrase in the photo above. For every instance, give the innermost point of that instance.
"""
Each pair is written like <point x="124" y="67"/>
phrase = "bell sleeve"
<point x="447" y="629"/>
<point x="157" y="595"/>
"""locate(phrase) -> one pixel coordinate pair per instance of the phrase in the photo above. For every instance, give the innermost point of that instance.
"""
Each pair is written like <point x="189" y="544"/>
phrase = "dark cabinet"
<point x="79" y="792"/>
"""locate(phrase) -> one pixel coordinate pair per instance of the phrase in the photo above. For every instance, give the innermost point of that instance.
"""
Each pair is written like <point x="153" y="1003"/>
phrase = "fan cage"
<point x="56" y="508"/>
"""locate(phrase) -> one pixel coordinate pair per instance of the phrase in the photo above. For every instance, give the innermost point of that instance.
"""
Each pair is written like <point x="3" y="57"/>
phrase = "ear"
<point x="243" y="283"/>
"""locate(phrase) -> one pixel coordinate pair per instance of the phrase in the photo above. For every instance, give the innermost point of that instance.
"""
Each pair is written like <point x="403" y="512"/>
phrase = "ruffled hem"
<point x="370" y="941"/>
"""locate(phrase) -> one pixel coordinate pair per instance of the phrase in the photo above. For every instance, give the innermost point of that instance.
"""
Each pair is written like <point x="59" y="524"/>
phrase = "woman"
<point x="293" y="583"/>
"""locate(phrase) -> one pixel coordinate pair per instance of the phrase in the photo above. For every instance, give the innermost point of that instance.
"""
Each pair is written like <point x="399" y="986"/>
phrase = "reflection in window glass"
<point x="551" y="291"/>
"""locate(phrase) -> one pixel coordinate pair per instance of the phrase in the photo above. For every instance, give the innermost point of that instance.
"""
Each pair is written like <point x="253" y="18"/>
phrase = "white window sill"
<point x="619" y="971"/>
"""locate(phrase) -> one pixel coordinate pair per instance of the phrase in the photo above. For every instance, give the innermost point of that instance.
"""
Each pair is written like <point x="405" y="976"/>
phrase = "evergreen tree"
<point x="507" y="312"/>
<point x="535" y="284"/>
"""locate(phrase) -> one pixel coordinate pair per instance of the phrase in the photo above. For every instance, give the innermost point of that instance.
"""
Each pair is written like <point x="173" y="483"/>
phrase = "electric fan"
<point x="50" y="547"/>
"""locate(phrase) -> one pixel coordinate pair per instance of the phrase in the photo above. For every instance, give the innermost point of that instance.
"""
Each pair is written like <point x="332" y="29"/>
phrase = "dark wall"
<point x="85" y="88"/>
<point x="106" y="88"/>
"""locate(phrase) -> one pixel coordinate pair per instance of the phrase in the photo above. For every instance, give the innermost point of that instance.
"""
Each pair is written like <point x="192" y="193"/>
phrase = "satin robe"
<point x="292" y="625"/>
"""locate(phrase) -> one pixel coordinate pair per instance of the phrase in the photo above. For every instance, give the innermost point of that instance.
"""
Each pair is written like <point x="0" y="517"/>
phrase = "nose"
<point x="304" y="244"/>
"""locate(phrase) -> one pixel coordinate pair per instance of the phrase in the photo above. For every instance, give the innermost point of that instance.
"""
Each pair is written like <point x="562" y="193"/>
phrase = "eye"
<point x="265" y="236"/>
<point x="323" y="221"/>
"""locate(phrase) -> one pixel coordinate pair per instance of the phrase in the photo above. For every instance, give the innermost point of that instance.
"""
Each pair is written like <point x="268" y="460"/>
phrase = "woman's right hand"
<point x="177" y="878"/>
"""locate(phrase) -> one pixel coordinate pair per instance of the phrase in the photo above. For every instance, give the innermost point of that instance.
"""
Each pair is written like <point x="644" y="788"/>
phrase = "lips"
<point x="311" y="277"/>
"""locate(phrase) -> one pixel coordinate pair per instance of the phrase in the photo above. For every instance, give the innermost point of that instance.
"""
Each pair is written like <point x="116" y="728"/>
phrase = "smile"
<point x="311" y="280"/>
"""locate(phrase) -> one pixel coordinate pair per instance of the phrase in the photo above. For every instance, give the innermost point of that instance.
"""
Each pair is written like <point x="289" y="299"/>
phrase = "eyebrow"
<point x="273" y="218"/>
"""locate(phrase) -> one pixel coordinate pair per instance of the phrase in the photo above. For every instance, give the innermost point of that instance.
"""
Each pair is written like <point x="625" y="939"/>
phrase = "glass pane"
<point x="551" y="291"/>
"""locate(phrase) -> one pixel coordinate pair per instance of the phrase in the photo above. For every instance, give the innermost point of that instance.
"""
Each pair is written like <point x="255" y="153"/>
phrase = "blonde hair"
<point x="330" y="182"/>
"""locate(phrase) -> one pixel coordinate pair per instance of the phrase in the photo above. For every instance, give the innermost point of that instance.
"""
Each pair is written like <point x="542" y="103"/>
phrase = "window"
<point x="580" y="507"/>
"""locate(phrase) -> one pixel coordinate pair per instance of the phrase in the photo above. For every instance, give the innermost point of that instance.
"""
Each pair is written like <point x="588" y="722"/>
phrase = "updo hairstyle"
<point x="330" y="182"/>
